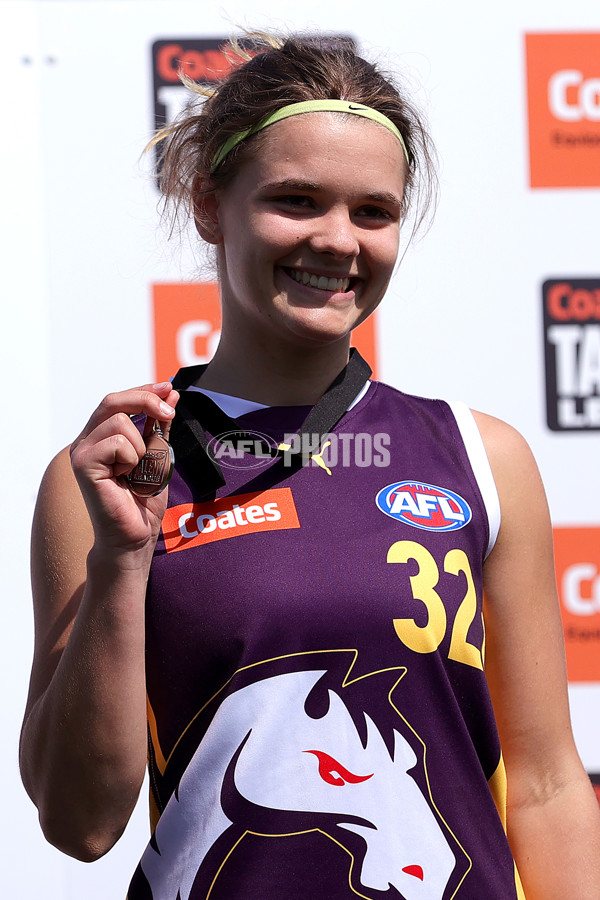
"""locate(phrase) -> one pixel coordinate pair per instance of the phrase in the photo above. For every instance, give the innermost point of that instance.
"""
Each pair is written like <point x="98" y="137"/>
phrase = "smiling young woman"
<point x="300" y="629"/>
<point x="288" y="225"/>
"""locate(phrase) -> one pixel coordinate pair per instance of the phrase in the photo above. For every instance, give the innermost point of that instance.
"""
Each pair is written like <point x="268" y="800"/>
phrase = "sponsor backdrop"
<point x="498" y="305"/>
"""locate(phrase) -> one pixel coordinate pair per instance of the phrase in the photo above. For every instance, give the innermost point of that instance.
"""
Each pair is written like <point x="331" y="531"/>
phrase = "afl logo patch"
<point x="424" y="506"/>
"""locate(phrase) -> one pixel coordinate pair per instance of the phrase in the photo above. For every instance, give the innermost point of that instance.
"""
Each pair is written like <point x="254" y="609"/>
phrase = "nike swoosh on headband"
<point x="307" y="106"/>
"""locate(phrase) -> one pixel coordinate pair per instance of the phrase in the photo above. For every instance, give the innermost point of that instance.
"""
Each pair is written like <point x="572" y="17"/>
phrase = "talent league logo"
<point x="424" y="506"/>
<point x="572" y="353"/>
<point x="202" y="59"/>
<point x="563" y="90"/>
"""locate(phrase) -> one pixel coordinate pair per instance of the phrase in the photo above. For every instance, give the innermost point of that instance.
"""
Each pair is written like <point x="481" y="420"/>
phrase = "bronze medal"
<point x="153" y="472"/>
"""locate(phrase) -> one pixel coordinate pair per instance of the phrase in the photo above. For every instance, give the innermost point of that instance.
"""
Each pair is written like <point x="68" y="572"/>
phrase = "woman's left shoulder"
<point x="510" y="456"/>
<point x="525" y="532"/>
<point x="499" y="434"/>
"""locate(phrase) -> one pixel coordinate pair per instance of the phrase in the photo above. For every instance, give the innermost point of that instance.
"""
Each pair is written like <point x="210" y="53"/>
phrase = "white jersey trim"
<point x="234" y="407"/>
<point x="481" y="466"/>
<point x="231" y="406"/>
<point x="359" y="396"/>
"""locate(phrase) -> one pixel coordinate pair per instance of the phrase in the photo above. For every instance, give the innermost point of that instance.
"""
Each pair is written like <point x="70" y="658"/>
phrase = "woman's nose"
<point x="335" y="233"/>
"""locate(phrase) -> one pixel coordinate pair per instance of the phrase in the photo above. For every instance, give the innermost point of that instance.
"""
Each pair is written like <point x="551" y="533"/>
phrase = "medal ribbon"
<point x="195" y="412"/>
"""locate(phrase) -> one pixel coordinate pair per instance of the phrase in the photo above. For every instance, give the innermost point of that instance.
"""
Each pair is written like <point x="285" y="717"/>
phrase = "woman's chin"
<point x="324" y="327"/>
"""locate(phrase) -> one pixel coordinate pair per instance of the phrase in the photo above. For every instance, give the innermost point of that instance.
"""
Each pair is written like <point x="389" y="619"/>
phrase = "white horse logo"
<point x="275" y="756"/>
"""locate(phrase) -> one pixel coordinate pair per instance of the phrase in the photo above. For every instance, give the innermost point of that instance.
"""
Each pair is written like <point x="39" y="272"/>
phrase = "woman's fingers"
<point x="165" y="424"/>
<point x="170" y="398"/>
<point x="149" y="400"/>
<point x="111" y="445"/>
<point x="113" y="448"/>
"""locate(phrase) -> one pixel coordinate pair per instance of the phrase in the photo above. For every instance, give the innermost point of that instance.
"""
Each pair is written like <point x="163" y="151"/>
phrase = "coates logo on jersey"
<point x="193" y="524"/>
<point x="563" y="90"/>
<point x="424" y="506"/>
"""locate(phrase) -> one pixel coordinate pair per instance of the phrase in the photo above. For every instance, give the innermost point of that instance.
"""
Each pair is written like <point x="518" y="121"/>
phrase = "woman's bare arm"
<point x="83" y="743"/>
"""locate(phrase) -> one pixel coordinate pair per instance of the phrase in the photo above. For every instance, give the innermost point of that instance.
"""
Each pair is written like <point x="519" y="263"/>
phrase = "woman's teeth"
<point x="320" y="281"/>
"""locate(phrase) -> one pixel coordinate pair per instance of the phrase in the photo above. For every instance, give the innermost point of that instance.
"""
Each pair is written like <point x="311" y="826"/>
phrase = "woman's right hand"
<point x="108" y="448"/>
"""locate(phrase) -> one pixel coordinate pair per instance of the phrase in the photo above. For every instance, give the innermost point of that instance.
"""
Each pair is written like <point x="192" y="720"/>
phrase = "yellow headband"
<point x="295" y="109"/>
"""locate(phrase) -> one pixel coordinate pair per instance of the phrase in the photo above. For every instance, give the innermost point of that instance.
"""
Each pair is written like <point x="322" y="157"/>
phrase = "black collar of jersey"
<point x="195" y="412"/>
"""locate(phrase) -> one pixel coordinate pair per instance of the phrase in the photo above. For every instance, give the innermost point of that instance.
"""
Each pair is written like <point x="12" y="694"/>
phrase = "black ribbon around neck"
<point x="196" y="412"/>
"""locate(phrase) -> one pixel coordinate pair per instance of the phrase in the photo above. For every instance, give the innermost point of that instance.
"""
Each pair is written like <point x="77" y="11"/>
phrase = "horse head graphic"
<point x="286" y="754"/>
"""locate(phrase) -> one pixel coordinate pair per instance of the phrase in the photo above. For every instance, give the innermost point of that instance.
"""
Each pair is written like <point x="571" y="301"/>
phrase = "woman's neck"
<point x="290" y="377"/>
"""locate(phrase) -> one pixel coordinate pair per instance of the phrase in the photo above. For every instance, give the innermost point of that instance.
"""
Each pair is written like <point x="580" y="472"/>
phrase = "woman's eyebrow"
<point x="385" y="197"/>
<point x="290" y="184"/>
<point x="295" y="184"/>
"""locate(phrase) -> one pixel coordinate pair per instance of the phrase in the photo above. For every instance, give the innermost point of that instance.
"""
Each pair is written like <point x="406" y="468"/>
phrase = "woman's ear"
<point x="205" y="209"/>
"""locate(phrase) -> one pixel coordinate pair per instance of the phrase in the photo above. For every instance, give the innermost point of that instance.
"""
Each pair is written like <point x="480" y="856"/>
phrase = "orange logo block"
<point x="563" y="91"/>
<point x="191" y="524"/>
<point x="187" y="327"/>
<point x="577" y="558"/>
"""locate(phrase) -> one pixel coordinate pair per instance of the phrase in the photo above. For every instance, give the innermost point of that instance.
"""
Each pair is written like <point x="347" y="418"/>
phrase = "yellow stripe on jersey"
<point x="498" y="789"/>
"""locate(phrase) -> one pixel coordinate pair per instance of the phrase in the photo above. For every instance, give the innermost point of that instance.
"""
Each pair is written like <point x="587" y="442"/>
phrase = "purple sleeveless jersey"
<point x="320" y="723"/>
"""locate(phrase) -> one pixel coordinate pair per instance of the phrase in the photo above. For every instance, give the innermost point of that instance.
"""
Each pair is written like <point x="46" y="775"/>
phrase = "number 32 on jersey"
<point x="427" y="638"/>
